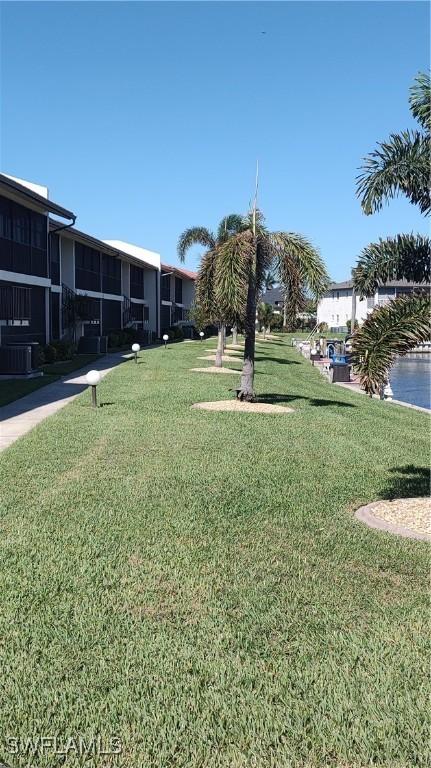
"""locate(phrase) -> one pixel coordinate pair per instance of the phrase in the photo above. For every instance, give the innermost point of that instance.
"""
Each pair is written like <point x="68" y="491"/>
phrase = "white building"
<point x="335" y="307"/>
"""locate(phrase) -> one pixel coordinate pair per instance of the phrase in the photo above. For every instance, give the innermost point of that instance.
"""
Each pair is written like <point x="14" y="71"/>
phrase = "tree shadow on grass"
<point x="277" y="360"/>
<point x="407" y="482"/>
<point x="272" y="397"/>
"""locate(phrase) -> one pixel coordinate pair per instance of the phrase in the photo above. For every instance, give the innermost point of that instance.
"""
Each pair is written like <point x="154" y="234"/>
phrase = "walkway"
<point x="19" y="417"/>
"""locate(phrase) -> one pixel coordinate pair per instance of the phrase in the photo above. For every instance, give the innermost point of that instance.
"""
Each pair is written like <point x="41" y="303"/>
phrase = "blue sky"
<point x="147" y="118"/>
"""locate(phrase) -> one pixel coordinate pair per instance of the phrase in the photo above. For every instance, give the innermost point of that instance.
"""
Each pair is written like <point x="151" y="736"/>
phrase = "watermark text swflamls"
<point x="80" y="746"/>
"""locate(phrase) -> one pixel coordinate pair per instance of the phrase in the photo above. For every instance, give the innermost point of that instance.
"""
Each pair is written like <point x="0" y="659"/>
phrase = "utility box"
<point x="93" y="345"/>
<point x="16" y="360"/>
<point x="340" y="372"/>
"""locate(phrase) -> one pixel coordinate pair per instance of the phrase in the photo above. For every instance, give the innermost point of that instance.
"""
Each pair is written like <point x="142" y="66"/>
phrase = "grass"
<point x="12" y="389"/>
<point x="64" y="367"/>
<point x="195" y="584"/>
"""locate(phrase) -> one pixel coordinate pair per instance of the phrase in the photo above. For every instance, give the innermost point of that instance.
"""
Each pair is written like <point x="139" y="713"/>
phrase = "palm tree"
<point x="265" y="315"/>
<point x="400" y="165"/>
<point x="205" y="296"/>
<point x="242" y="261"/>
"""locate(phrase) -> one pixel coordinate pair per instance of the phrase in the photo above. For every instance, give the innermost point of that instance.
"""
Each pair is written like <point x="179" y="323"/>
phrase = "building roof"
<point x="13" y="187"/>
<point x="390" y="284"/>
<point x="179" y="271"/>
<point x="272" y="295"/>
<point x="99" y="245"/>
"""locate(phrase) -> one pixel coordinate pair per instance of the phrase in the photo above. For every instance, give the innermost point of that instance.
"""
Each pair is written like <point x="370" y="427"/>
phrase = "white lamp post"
<point x="165" y="339"/>
<point x="135" y="349"/>
<point x="201" y="334"/>
<point x="93" y="378"/>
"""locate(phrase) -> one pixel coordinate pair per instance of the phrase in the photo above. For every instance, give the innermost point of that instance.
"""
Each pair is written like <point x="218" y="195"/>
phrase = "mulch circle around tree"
<point x="225" y="358"/>
<point x="240" y="406"/>
<point x="405" y="517"/>
<point x="213" y="369"/>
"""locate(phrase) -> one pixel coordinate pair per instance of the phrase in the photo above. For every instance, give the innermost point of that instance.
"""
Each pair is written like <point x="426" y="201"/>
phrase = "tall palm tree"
<point x="400" y="165"/>
<point x="205" y="296"/>
<point x="241" y="263"/>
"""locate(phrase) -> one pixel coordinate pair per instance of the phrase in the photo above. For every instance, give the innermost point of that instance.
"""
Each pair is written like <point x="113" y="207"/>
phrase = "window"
<point x="338" y="319"/>
<point x="38" y="231"/>
<point x="146" y="314"/>
<point x="165" y="286"/>
<point x="21" y="225"/>
<point x="111" y="274"/>
<point x="338" y="294"/>
<point x="5" y="219"/>
<point x="136" y="282"/>
<point x="370" y="302"/>
<point x="87" y="268"/>
<point x="178" y="290"/>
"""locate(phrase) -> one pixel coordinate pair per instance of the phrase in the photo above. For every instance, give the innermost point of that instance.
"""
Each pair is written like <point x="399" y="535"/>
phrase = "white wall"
<point x="335" y="312"/>
<point x="151" y="292"/>
<point x="67" y="261"/>
<point x="188" y="292"/>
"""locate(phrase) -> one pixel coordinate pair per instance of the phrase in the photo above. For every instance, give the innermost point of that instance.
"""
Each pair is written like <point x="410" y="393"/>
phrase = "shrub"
<point x="57" y="351"/>
<point x="122" y="337"/>
<point x="349" y="325"/>
<point x="175" y="333"/>
<point x="277" y="322"/>
<point x="49" y="354"/>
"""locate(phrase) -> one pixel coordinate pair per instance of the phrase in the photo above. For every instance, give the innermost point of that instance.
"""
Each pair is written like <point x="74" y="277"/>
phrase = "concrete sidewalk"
<point x="19" y="417"/>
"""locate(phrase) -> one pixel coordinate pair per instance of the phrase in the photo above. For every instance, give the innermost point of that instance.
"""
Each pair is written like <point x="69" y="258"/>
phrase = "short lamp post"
<point x="201" y="334"/>
<point x="136" y="348"/>
<point x="165" y="339"/>
<point x="93" y="378"/>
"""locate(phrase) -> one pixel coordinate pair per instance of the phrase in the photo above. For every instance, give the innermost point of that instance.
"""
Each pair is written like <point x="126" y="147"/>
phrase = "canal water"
<point x="411" y="379"/>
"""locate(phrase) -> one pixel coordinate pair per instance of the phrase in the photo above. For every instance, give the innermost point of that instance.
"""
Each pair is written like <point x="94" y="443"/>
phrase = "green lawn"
<point x="12" y="389"/>
<point x="194" y="583"/>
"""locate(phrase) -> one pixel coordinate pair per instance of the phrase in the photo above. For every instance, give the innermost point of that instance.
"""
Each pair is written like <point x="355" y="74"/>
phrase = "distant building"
<point x="335" y="307"/>
<point x="274" y="296"/>
<point x="177" y="293"/>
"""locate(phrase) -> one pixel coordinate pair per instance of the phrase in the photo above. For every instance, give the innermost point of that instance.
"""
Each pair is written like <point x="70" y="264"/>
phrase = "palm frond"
<point x="194" y="236"/>
<point x="394" y="258"/>
<point x="265" y="313"/>
<point x="399" y="165"/>
<point x="205" y="299"/>
<point x="420" y="100"/>
<point x="391" y="330"/>
<point x="291" y="249"/>
<point x="230" y="225"/>
<point x="233" y="261"/>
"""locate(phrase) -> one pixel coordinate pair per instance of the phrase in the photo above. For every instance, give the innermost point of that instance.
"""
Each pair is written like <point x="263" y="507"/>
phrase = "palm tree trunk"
<point x="353" y="320"/>
<point x="223" y="333"/>
<point x="219" y="351"/>
<point x="285" y="310"/>
<point x="246" y="391"/>
<point x="235" y="334"/>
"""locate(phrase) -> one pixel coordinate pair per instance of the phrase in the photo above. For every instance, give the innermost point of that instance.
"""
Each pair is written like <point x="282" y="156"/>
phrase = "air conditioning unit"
<point x="15" y="360"/>
<point x="93" y="345"/>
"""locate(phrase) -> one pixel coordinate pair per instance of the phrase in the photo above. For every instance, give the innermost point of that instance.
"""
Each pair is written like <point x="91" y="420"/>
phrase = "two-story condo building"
<point x="45" y="262"/>
<point x="120" y="283"/>
<point x="335" y="307"/>
<point x="177" y="291"/>
<point x="27" y="264"/>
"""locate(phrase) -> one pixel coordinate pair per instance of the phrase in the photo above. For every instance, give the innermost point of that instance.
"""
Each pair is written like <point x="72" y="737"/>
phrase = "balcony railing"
<point x="15" y="303"/>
